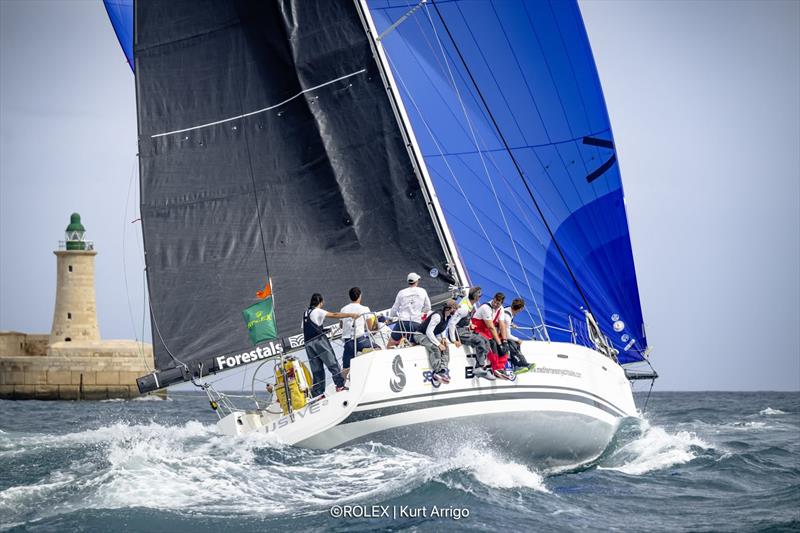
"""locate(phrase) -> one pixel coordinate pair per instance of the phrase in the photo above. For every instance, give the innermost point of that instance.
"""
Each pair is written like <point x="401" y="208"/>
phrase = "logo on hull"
<point x="399" y="381"/>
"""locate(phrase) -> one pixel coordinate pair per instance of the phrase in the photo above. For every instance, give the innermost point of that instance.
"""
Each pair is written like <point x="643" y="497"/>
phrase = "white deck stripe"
<point x="261" y="110"/>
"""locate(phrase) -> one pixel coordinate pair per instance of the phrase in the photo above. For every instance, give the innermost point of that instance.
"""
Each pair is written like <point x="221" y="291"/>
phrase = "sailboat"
<point x="293" y="147"/>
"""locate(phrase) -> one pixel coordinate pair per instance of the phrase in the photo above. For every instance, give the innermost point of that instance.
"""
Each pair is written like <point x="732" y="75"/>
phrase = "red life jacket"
<point x="479" y="325"/>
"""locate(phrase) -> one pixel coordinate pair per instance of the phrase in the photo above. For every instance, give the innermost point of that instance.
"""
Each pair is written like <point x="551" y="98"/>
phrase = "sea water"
<point x="710" y="461"/>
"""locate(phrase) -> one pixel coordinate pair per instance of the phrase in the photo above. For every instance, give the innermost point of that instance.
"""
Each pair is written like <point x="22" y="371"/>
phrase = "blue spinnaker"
<point x="120" y="12"/>
<point x="533" y="65"/>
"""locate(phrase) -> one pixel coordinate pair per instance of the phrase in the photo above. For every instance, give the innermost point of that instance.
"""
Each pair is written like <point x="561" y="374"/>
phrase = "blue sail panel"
<point x="532" y="63"/>
<point x="120" y="12"/>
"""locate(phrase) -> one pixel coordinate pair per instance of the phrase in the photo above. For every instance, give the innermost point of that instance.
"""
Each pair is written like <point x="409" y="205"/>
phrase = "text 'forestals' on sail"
<point x="273" y="348"/>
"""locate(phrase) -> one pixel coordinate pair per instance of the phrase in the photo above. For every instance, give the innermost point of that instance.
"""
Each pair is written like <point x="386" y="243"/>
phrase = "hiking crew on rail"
<point x="432" y="335"/>
<point x="484" y="328"/>
<point x="513" y="344"/>
<point x="409" y="306"/>
<point x="486" y="323"/>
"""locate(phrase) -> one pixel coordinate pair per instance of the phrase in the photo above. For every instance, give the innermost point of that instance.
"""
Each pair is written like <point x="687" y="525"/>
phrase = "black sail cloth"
<point x="268" y="148"/>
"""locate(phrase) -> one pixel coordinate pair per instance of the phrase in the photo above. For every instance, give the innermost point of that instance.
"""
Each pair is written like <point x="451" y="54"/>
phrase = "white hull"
<point x="565" y="412"/>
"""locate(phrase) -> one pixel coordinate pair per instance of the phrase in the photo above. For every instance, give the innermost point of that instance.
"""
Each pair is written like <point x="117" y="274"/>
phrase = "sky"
<point x="704" y="100"/>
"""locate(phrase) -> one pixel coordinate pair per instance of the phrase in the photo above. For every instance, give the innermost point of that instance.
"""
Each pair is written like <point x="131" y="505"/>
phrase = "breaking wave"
<point x="770" y="411"/>
<point x="165" y="467"/>
<point x="484" y="466"/>
<point x="641" y="448"/>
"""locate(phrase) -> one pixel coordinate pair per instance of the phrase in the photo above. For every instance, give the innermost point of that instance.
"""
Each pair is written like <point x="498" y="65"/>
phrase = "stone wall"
<point x="94" y="370"/>
<point x="36" y="344"/>
<point x="16" y="344"/>
<point x="12" y="344"/>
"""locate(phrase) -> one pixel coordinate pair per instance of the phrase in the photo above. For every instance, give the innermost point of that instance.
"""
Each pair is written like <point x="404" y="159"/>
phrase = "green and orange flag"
<point x="260" y="317"/>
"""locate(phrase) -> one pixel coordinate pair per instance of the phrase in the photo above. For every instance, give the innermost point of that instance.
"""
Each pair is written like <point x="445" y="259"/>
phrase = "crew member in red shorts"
<point x="486" y="323"/>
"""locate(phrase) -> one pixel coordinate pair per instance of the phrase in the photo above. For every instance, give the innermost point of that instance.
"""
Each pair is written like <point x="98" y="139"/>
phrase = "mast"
<point x="421" y="169"/>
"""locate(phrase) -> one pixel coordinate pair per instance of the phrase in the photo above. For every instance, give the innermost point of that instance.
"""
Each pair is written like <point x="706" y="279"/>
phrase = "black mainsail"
<point x="269" y="148"/>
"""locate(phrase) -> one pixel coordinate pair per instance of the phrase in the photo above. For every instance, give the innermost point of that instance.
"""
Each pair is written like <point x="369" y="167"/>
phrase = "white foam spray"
<point x="654" y="449"/>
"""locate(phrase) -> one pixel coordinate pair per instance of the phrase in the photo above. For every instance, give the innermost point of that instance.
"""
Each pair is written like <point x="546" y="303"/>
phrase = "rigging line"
<point x="244" y="378"/>
<point x="479" y="256"/>
<point x="452" y="173"/>
<point x="494" y="78"/>
<point x="561" y="159"/>
<point x="533" y="100"/>
<point x="262" y="110"/>
<point x="169" y="352"/>
<point x="144" y="311"/>
<point x="514" y="246"/>
<point x="593" y="187"/>
<point x="488" y="175"/>
<point x="515" y="195"/>
<point x="243" y="369"/>
<point x="517" y="219"/>
<point x="435" y="56"/>
<point x="517" y="200"/>
<point x="652" y="382"/>
<point x="399" y="21"/>
<point x="255" y="198"/>
<point x="554" y="144"/>
<point x="430" y="46"/>
<point x="480" y="155"/>
<point x="140" y="345"/>
<point x="513" y="159"/>
<point x="555" y="148"/>
<point x="124" y="238"/>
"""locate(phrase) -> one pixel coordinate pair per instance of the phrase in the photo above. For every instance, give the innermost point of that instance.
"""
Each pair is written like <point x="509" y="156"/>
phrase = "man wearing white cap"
<point x="409" y="306"/>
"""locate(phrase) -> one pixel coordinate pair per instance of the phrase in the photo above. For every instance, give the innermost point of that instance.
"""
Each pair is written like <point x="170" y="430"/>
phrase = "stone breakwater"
<point x="85" y="370"/>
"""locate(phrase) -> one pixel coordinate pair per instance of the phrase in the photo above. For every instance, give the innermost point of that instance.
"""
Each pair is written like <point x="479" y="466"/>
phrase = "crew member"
<point x="318" y="346"/>
<point x="432" y="335"/>
<point x="511" y="342"/>
<point x="354" y="331"/>
<point x="459" y="331"/>
<point x="409" y="306"/>
<point x="486" y="322"/>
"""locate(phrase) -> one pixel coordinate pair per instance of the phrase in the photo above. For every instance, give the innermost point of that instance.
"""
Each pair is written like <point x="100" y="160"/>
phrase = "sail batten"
<point x="264" y="109"/>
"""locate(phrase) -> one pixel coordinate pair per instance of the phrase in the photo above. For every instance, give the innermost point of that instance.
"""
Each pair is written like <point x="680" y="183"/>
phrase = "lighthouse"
<point x="72" y="362"/>
<point x="75" y="314"/>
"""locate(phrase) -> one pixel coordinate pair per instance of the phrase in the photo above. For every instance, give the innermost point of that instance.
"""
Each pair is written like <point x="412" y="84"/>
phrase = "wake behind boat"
<point x="290" y="148"/>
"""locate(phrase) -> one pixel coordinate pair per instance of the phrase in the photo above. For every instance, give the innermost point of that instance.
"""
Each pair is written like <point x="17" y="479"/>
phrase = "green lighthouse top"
<point x="75" y="233"/>
<point x="75" y="223"/>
